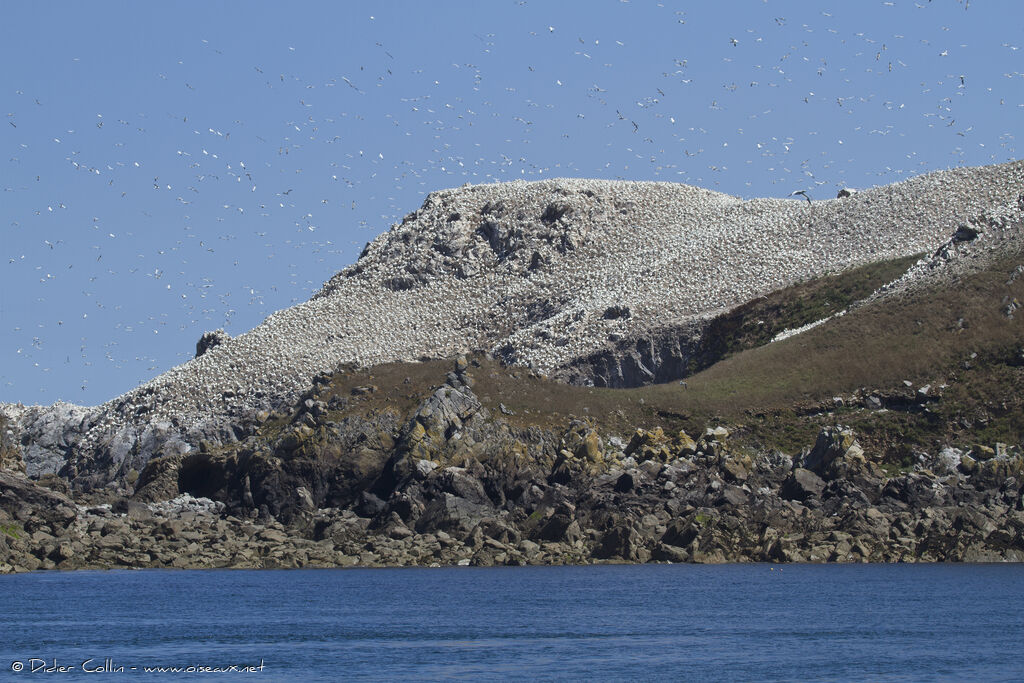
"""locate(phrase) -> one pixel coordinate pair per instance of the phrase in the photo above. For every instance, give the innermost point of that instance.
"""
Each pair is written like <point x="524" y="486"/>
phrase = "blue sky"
<point x="171" y="168"/>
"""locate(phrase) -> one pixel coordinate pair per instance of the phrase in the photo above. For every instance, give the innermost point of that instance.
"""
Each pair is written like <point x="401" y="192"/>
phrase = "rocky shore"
<point x="861" y="403"/>
<point x="459" y="486"/>
<point x="600" y="283"/>
<point x="651" y="512"/>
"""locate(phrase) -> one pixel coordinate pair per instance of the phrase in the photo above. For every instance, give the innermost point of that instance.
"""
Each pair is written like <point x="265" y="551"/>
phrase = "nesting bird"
<point x="530" y="271"/>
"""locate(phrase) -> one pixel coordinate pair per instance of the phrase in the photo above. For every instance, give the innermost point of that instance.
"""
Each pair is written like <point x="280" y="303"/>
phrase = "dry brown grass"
<point x="756" y="322"/>
<point x="772" y="394"/>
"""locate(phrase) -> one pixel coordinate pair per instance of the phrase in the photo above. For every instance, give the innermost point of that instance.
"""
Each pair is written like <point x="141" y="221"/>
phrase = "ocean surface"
<point x="655" y="622"/>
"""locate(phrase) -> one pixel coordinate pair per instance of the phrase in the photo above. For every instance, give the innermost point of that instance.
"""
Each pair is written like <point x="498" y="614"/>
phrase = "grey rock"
<point x="627" y="482"/>
<point x="425" y="467"/>
<point x="562" y="529"/>
<point x="622" y="542"/>
<point x="663" y="552"/>
<point x="948" y="460"/>
<point x="733" y="495"/>
<point x="34" y="506"/>
<point x="802" y="485"/>
<point x="210" y="340"/>
<point x="451" y="514"/>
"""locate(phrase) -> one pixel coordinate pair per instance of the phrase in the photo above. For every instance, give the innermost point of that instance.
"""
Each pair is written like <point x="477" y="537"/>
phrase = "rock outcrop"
<point x="210" y="340"/>
<point x="301" y="444"/>
<point x="594" y="282"/>
<point x="459" y="489"/>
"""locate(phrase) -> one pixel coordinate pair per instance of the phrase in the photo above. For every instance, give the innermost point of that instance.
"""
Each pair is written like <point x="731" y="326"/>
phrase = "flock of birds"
<point x="198" y="217"/>
<point x="544" y="273"/>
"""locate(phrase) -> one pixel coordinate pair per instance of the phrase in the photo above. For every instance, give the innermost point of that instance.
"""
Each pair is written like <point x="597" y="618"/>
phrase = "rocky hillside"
<point x="593" y="282"/>
<point x="575" y="371"/>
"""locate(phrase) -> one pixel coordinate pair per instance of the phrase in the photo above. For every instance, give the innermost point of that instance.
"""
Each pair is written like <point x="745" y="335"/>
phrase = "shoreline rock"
<point x="550" y="275"/>
<point x="321" y="462"/>
<point x="663" y="503"/>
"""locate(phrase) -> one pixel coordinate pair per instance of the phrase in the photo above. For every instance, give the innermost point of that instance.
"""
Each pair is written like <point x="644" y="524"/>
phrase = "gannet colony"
<point x="542" y="274"/>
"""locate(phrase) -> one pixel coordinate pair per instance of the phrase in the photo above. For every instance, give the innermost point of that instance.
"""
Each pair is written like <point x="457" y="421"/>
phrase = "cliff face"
<point x="448" y="474"/>
<point x="592" y="282"/>
<point x="890" y="429"/>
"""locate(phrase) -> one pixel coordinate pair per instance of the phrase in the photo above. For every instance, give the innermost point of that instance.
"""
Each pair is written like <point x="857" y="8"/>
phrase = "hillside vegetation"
<point x="872" y="412"/>
<point x="866" y="369"/>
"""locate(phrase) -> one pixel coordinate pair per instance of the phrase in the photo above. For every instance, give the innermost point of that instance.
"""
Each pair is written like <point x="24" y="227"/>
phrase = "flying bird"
<point x="802" y="193"/>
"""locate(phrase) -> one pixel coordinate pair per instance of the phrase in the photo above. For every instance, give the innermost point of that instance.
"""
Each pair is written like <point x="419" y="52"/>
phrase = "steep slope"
<point x="891" y="433"/>
<point x="549" y="274"/>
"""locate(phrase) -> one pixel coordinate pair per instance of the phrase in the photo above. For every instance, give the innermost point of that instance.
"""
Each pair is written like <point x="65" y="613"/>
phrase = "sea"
<point x="751" y="622"/>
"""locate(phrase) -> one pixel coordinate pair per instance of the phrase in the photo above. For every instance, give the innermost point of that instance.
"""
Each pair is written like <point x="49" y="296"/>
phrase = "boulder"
<point x="685" y="445"/>
<point x="718" y="434"/>
<point x="460" y="483"/>
<point x="843" y="495"/>
<point x="836" y="453"/>
<point x="649" y="445"/>
<point x="991" y="473"/>
<point x="733" y="495"/>
<point x="627" y="482"/>
<point x="369" y="505"/>
<point x="736" y="469"/>
<point x="560" y="528"/>
<point x="439" y="419"/>
<point x="680" y="533"/>
<point x="32" y="505"/>
<point x="802" y="484"/>
<point x="451" y="514"/>
<point x="663" y="552"/>
<point x="948" y="460"/>
<point x="590" y="448"/>
<point x="159" y="479"/>
<point x="623" y="542"/>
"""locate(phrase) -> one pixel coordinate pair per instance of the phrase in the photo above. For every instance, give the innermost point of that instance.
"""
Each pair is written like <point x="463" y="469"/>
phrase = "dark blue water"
<point x="732" y="622"/>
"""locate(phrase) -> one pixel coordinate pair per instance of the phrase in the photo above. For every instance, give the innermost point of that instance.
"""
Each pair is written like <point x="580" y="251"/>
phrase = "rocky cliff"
<point x="593" y="282"/>
<point x="584" y="303"/>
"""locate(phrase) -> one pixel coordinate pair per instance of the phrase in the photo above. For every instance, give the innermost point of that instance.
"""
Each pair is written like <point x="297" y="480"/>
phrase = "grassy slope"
<point x="779" y="395"/>
<point x="758" y="321"/>
<point x="925" y="338"/>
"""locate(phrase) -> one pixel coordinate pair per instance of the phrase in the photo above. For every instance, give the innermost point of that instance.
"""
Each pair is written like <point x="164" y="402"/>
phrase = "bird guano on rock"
<point x="670" y="253"/>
